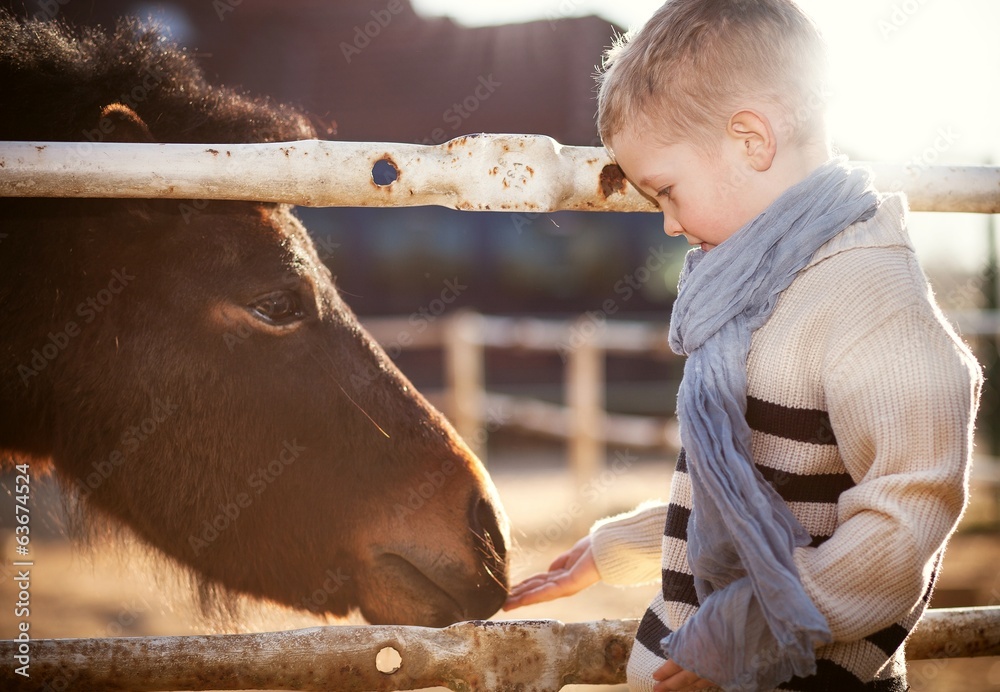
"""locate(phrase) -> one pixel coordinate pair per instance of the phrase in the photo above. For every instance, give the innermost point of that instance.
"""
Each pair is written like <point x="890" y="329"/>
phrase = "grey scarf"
<point x="756" y="627"/>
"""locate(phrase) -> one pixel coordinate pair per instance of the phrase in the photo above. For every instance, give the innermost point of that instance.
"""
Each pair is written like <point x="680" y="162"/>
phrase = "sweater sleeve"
<point x="902" y="399"/>
<point x="628" y="547"/>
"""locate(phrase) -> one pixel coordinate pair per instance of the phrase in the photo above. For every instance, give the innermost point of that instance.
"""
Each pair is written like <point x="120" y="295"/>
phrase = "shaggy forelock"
<point x="57" y="81"/>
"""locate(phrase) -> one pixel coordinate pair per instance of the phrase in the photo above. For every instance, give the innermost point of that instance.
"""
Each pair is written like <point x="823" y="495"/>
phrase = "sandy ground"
<point x="118" y="592"/>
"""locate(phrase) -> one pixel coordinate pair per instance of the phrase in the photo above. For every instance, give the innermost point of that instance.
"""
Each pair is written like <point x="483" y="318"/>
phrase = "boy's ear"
<point x="119" y="123"/>
<point x="751" y="131"/>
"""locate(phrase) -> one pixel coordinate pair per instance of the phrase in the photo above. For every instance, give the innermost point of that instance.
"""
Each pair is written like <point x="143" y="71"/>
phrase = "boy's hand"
<point x="671" y="676"/>
<point x="572" y="571"/>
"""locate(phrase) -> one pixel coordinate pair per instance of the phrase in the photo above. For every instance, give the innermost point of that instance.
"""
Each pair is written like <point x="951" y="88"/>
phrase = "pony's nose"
<point x="492" y="542"/>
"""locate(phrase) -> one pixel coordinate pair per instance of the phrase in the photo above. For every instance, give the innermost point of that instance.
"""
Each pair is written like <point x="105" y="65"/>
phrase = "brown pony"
<point x="188" y="369"/>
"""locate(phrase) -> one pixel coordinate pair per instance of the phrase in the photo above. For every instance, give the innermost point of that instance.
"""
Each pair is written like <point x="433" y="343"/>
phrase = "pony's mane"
<point x="56" y="80"/>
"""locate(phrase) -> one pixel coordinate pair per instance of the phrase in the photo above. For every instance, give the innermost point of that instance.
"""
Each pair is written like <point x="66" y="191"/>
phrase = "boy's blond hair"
<point x="695" y="62"/>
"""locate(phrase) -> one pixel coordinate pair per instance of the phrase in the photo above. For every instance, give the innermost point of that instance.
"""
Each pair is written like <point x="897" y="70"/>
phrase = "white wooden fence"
<point x="486" y="172"/>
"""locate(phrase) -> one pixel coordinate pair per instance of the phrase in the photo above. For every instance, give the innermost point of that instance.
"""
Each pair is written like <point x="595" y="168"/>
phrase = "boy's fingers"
<point x="544" y="590"/>
<point x="536" y="594"/>
<point x="671" y="677"/>
<point x="516" y="601"/>
<point x="668" y="669"/>
<point x="518" y="592"/>
<point x="530" y="583"/>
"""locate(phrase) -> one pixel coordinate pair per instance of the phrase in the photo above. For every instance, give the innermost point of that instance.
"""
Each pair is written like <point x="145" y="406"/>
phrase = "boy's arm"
<point x="628" y="547"/>
<point x="902" y="400"/>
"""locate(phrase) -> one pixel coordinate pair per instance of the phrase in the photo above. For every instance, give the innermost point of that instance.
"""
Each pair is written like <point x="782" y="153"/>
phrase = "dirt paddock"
<point x="122" y="592"/>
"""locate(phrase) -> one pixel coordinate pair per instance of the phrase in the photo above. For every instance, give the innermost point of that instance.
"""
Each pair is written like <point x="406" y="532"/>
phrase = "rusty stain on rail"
<point x="612" y="180"/>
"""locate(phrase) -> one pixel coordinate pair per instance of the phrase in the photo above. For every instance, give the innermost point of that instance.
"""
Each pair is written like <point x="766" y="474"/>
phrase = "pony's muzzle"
<point x="485" y="524"/>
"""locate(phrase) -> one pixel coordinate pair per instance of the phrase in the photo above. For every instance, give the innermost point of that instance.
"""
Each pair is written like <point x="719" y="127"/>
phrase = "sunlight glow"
<point x="904" y="72"/>
<point x="912" y="81"/>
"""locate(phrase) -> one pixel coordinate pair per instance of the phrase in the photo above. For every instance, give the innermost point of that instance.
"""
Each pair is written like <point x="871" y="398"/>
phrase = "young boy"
<point x="827" y="408"/>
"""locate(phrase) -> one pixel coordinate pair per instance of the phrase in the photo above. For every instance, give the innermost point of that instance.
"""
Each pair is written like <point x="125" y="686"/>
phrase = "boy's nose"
<point x="671" y="227"/>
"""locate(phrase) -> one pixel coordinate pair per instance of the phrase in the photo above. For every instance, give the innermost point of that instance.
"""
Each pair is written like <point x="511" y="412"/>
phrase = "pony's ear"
<point x="119" y="123"/>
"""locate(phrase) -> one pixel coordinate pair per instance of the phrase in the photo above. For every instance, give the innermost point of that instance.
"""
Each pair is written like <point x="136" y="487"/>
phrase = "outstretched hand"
<point x="569" y="573"/>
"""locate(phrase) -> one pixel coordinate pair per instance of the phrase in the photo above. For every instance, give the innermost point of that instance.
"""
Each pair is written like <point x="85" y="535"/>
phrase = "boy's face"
<point x="704" y="195"/>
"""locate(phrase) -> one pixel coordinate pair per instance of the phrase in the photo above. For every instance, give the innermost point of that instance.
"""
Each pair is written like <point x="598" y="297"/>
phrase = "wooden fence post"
<point x="585" y="399"/>
<point x="465" y="378"/>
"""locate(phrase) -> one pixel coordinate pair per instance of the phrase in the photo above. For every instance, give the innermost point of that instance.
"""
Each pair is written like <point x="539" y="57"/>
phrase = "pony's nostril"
<point x="484" y="523"/>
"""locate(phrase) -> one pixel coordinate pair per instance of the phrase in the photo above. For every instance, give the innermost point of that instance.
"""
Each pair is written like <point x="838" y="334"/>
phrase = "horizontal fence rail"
<point x="487" y="172"/>
<point x="541" y="655"/>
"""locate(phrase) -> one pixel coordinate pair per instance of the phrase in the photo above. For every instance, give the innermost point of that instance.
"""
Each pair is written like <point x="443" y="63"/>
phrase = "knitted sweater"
<point x="861" y="401"/>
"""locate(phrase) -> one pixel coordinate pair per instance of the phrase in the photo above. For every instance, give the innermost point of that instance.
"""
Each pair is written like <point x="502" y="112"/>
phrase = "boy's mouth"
<point x="695" y="242"/>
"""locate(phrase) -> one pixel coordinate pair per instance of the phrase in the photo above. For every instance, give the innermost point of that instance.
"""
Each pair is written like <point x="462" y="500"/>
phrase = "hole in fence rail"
<point x="384" y="172"/>
<point x="388" y="660"/>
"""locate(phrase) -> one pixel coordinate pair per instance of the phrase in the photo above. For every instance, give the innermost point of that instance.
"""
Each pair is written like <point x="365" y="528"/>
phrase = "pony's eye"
<point x="278" y="308"/>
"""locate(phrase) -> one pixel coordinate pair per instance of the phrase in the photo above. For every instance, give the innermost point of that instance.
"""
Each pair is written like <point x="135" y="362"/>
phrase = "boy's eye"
<point x="665" y="192"/>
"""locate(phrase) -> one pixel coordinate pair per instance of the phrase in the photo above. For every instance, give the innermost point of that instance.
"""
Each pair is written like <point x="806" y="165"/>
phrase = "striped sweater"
<point x="861" y="401"/>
